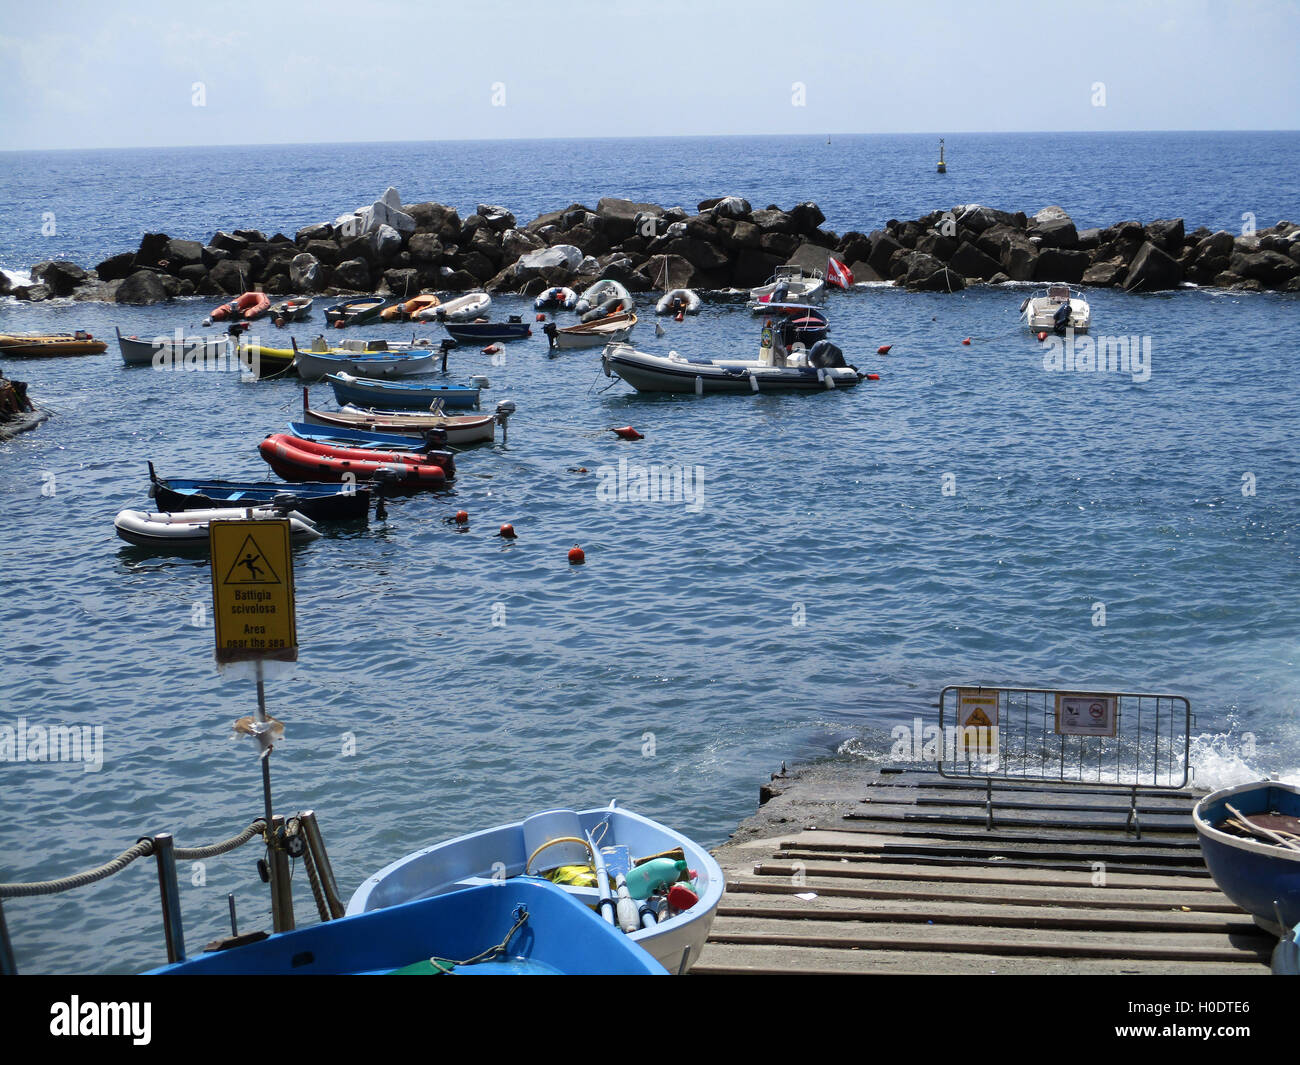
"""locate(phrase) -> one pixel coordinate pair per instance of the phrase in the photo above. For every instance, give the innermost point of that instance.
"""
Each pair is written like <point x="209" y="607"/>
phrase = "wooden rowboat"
<point x="49" y="345"/>
<point x="399" y="311"/>
<point x="461" y="429"/>
<point x="597" y="334"/>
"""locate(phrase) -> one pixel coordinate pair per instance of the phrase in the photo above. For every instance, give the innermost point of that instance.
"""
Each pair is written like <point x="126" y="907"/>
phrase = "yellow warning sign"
<point x="252" y="590"/>
<point x="977" y="720"/>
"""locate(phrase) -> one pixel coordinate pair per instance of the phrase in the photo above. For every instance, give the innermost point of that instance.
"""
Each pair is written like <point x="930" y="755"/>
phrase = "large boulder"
<point x="116" y="267"/>
<point x="558" y="255"/>
<point x="911" y="267"/>
<point x="1054" y="228"/>
<point x="665" y="272"/>
<point x="1058" y="264"/>
<point x="61" y="276"/>
<point x="230" y="276"/>
<point x="753" y="268"/>
<point x="1105" y="274"/>
<point x="807" y="217"/>
<point x="1152" y="270"/>
<point x="143" y="286"/>
<point x="152" y="250"/>
<point x="438" y="219"/>
<point x="353" y="274"/>
<point x="1167" y="235"/>
<point x="810" y="256"/>
<point x="1270" y="268"/>
<point x="304" y="272"/>
<point x="226" y="242"/>
<point x="699" y="253"/>
<point x="38" y="293"/>
<point x="979" y="218"/>
<point x="497" y="219"/>
<point x="726" y="207"/>
<point x="402" y="281"/>
<point x="385" y="242"/>
<point x="774" y="220"/>
<point x="618" y="217"/>
<point x="883" y="247"/>
<point x="941" y="280"/>
<point x="518" y="242"/>
<point x="937" y="243"/>
<point x="182" y="253"/>
<point x="318" y="231"/>
<point x="969" y="261"/>
<point x="327" y="251"/>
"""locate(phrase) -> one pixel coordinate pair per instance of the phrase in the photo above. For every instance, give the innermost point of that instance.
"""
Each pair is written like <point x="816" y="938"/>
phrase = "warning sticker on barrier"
<point x="252" y="590"/>
<point x="1084" y="714"/>
<point x="977" y="720"/>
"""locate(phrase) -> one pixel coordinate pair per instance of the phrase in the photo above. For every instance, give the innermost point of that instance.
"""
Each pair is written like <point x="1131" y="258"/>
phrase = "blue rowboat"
<point x="361" y="438"/>
<point x="1260" y="876"/>
<point x="400" y="395"/>
<point x="487" y="332"/>
<point x="541" y="929"/>
<point x="318" y="500"/>
<point x="478" y="858"/>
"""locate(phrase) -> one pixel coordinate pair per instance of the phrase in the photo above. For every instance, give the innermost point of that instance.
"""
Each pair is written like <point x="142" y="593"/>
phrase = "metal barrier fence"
<point x="1062" y="735"/>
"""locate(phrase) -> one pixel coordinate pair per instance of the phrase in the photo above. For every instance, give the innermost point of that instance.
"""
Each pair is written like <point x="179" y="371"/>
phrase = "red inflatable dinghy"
<point x="248" y="306"/>
<point x="295" y="459"/>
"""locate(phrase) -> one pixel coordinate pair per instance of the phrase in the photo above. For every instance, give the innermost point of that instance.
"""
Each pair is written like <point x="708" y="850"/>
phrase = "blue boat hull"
<point x="325" y="434"/>
<point x="559" y="936"/>
<point x="1262" y="879"/>
<point x="488" y="332"/>
<point x="393" y="396"/>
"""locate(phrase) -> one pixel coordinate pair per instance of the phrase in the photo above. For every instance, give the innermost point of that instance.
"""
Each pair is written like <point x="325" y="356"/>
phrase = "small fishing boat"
<point x="400" y="395"/>
<point x="790" y="284"/>
<point x="521" y="927"/>
<point x="489" y="332"/>
<point x="172" y="353"/>
<point x="461" y="429"/>
<point x="778" y="368"/>
<point x="1250" y="839"/>
<point x="557" y="298"/>
<point x="460" y="309"/>
<point x="1056" y="309"/>
<point x="368" y="439"/>
<point x="262" y="361"/>
<point x="49" y="345"/>
<point x="368" y="358"/>
<point x="246" y="307"/>
<point x="295" y="310"/>
<point x="556" y="839"/>
<point x="802" y="325"/>
<point x="397" y="312"/>
<point x="595" y="334"/>
<point x="603" y="299"/>
<point x="296" y="459"/>
<point x="358" y="311"/>
<point x="320" y="501"/>
<point x="188" y="530"/>
<point x="679" y="301"/>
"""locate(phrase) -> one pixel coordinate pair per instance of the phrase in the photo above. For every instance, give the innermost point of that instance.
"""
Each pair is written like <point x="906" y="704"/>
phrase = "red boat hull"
<point x="305" y="460"/>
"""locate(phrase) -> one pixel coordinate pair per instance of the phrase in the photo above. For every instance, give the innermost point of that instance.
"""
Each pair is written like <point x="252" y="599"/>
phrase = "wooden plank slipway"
<point x="907" y="878"/>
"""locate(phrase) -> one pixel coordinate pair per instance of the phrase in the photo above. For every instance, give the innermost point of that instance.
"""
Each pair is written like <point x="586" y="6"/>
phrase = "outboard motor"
<point x="550" y="329"/>
<point x="435" y="439"/>
<point x="447" y="344"/>
<point x="826" y="356"/>
<point x="1061" y="319"/>
<point x="780" y="294"/>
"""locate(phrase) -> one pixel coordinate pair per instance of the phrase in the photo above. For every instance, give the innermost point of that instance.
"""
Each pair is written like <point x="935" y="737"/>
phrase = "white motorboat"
<point x="461" y="309"/>
<point x="558" y="298"/>
<point x="545" y="841"/>
<point x="177" y="352"/>
<point x="679" y="301"/>
<point x="1056" y="309"/>
<point x="790" y="284"/>
<point x="615" y="328"/>
<point x="366" y="358"/>
<point x="777" y="368"/>
<point x="188" y="530"/>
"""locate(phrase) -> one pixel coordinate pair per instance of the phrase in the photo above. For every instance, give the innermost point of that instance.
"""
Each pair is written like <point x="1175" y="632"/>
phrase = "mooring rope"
<point x="142" y="849"/>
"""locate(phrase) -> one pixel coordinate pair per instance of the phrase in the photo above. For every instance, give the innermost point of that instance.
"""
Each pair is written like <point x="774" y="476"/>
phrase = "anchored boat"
<point x="557" y="298"/>
<point x="188" y="530"/>
<point x="1056" y="309"/>
<point x="559" y="839"/>
<point x="460" y="309"/>
<point x="1250" y="837"/>
<point x="490" y="332"/>
<point x="679" y="301"/>
<point x="790" y="284"/>
<point x="461" y="429"/>
<point x="597" y="334"/>
<point x="319" y="501"/>
<point x="358" y="311"/>
<point x="400" y="395"/>
<point x="368" y="358"/>
<point x="295" y="310"/>
<point x="167" y="352"/>
<point x="247" y="307"/>
<point x="49" y="345"/>
<point x="296" y="459"/>
<point x="603" y="299"/>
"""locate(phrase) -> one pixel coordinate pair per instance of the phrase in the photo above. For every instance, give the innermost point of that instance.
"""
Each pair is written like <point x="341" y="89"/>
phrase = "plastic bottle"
<point x="645" y="879"/>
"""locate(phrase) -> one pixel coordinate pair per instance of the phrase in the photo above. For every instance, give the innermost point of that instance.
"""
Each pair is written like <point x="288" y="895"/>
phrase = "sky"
<point x="145" y="74"/>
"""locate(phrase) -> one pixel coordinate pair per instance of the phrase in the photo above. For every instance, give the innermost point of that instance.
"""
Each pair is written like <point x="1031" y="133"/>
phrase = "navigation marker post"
<point x="254" y="619"/>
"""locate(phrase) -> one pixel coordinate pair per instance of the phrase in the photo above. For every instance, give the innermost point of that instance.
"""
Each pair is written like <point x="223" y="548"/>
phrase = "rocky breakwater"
<point x="395" y="249"/>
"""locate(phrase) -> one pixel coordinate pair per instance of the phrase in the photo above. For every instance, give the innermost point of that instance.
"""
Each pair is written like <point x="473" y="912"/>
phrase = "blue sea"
<point x="450" y="680"/>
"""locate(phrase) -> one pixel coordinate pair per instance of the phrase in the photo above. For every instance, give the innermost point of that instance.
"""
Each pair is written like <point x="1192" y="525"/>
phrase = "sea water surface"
<point x="819" y="592"/>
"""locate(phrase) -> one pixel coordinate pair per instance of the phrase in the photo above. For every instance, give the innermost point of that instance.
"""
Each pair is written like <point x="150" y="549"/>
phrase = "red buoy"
<point x="681" y="898"/>
<point x="340" y="324"/>
<point x="462" y="516"/>
<point x="492" y="349"/>
<point x="541" y="318"/>
<point x="628" y="433"/>
<point x="873" y="377"/>
<point x="1042" y="335"/>
<point x="508" y="532"/>
<point x="576" y="556"/>
<point x="883" y="349"/>
<point x="966" y="341"/>
<point x="680" y="316"/>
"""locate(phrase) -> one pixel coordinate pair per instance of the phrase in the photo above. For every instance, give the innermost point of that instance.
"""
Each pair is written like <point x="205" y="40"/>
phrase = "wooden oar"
<point x="1258" y="830"/>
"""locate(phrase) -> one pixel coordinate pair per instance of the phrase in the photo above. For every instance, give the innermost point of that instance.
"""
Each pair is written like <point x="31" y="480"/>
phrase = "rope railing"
<point x="142" y="849"/>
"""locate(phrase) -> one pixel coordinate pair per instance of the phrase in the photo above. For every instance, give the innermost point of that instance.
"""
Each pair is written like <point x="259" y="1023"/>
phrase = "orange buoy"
<point x="873" y="377"/>
<point x="508" y="532"/>
<point x="462" y="516"/>
<point x="1042" y="335"/>
<point x="541" y="318"/>
<point x="576" y="556"/>
<point x="966" y="341"/>
<point x="628" y="433"/>
<point x="883" y="349"/>
<point x="491" y="349"/>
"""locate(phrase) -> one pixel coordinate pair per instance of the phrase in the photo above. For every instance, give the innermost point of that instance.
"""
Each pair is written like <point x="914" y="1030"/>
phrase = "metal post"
<point x="281" y="891"/>
<point x="7" y="964"/>
<point x="273" y="852"/>
<point x="234" y="924"/>
<point x="164" y="851"/>
<point x="316" y="845"/>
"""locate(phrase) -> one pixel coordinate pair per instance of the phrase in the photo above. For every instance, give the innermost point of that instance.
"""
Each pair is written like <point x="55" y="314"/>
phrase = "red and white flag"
<point x="838" y="274"/>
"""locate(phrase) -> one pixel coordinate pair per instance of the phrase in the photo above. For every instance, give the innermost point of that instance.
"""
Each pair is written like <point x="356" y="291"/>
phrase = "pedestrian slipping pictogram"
<point x="251" y="565"/>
